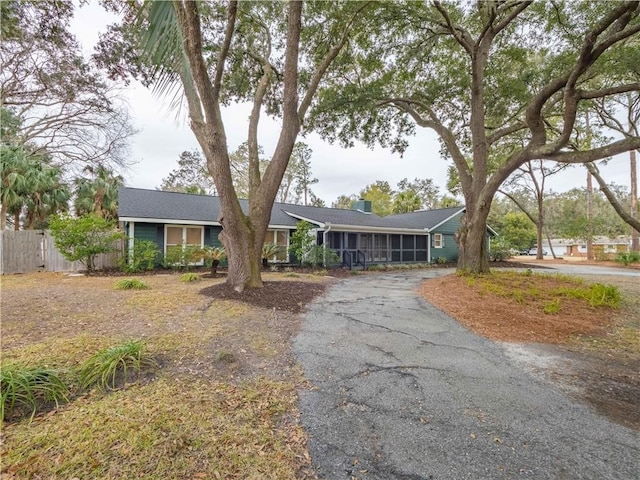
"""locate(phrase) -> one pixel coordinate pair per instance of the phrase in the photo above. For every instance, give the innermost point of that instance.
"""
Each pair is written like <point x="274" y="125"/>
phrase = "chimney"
<point x="362" y="205"/>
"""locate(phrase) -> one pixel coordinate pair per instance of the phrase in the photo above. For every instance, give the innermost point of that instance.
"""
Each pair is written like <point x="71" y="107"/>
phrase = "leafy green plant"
<point x="627" y="258"/>
<point x="270" y="250"/>
<point x="500" y="251"/>
<point x="142" y="256"/>
<point x="301" y="240"/>
<point x="109" y="366"/>
<point x="26" y="388"/>
<point x="551" y="307"/>
<point x="131" y="284"/>
<point x="213" y="256"/>
<point x="317" y="256"/>
<point x="190" y="277"/>
<point x="441" y="260"/>
<point x="83" y="238"/>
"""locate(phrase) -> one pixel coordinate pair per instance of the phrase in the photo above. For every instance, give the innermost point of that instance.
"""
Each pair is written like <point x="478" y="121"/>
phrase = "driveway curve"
<point x="403" y="391"/>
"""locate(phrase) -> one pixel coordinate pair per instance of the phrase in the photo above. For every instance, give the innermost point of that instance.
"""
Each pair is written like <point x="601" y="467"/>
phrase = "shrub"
<point x="301" y="240"/>
<point x="131" y="284"/>
<point x="270" y="250"/>
<point x="83" y="238"/>
<point x="317" y="256"/>
<point x="627" y="258"/>
<point x="500" y="251"/>
<point x="109" y="366"/>
<point x="190" y="277"/>
<point x="441" y="260"/>
<point x="26" y="388"/>
<point x="213" y="256"/>
<point x="142" y="256"/>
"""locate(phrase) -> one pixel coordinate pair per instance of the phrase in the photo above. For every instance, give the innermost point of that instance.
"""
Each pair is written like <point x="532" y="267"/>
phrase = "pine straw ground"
<point x="591" y="352"/>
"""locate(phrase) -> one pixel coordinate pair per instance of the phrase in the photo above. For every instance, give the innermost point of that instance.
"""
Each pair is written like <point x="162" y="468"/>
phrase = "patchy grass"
<point x="167" y="429"/>
<point x="190" y="277"/>
<point x="131" y="284"/>
<point x="222" y="403"/>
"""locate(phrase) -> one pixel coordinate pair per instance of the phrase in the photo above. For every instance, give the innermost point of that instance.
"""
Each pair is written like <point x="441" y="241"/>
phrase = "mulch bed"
<point x="290" y="296"/>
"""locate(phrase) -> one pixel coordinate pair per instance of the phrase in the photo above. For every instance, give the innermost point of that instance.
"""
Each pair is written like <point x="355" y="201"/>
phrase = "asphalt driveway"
<point x="405" y="392"/>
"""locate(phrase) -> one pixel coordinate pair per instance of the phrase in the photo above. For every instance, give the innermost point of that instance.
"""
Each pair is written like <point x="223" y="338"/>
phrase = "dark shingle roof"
<point x="161" y="205"/>
<point x="425" y="218"/>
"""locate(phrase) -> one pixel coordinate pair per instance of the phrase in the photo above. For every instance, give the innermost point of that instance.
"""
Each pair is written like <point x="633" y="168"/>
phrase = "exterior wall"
<point x="450" y="248"/>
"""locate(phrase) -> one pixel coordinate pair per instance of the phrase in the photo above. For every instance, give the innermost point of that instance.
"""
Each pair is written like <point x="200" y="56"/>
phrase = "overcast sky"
<point x="156" y="148"/>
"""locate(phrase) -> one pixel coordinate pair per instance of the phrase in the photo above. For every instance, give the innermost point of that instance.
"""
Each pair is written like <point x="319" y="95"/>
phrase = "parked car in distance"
<point x="534" y="251"/>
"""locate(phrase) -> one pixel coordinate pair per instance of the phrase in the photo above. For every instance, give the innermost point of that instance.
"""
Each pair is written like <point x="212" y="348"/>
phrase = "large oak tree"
<point x="501" y="83"/>
<point x="271" y="54"/>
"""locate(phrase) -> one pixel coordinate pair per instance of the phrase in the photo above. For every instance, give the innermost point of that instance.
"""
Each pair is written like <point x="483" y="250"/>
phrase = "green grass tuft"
<point x="131" y="284"/>
<point x="190" y="277"/>
<point x="600" y="295"/>
<point x="24" y="389"/>
<point x="551" y="307"/>
<point x="109" y="366"/>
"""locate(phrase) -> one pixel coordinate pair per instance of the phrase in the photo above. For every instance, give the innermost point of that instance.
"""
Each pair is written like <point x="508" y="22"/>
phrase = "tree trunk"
<point x="589" y="217"/>
<point x="16" y="221"/>
<point x="635" y="235"/>
<point x="539" y="227"/>
<point x="3" y="217"/>
<point x="472" y="242"/>
<point x="214" y="267"/>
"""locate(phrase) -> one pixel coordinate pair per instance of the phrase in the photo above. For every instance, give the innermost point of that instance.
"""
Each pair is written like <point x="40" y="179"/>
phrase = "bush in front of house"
<point x="83" y="238"/>
<point x="142" y="256"/>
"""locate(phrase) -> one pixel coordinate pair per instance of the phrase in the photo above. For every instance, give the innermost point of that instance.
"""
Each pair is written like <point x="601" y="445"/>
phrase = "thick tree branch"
<point x="605" y="92"/>
<point x="460" y="34"/>
<point x="624" y="215"/>
<point x="326" y="62"/>
<point x="621" y="146"/>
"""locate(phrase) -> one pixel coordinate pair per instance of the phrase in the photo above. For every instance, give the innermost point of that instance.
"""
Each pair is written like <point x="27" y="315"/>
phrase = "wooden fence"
<point x="34" y="251"/>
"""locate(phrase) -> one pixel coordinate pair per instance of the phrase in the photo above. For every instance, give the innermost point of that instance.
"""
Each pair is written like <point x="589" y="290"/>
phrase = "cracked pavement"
<point x="402" y="391"/>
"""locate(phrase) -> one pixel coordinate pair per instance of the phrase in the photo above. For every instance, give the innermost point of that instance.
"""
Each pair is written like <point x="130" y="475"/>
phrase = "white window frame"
<point x="184" y="238"/>
<point x="438" y="240"/>
<point x="271" y="237"/>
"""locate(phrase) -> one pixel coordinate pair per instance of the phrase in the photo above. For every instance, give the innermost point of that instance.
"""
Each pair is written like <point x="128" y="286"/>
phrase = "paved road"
<point x="577" y="269"/>
<point x="405" y="392"/>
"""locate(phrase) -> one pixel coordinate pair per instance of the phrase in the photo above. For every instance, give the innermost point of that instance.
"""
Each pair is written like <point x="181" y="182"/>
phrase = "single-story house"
<point x="603" y="247"/>
<point x="172" y="219"/>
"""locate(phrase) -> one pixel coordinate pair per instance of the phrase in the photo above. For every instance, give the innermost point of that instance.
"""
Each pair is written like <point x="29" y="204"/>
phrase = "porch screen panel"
<point x="421" y="248"/>
<point x="282" y="240"/>
<point x="396" y="254"/>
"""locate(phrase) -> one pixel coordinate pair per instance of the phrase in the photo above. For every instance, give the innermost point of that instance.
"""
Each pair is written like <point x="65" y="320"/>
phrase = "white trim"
<point x="184" y="237"/>
<point x="429" y="247"/>
<point x="304" y="219"/>
<point x="169" y="221"/>
<point x="131" y="241"/>
<point x="435" y="234"/>
<point x="364" y="229"/>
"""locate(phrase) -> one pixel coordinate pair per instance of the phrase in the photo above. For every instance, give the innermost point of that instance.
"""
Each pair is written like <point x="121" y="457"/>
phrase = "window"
<point x="438" y="240"/>
<point x="280" y="238"/>
<point x="178" y="238"/>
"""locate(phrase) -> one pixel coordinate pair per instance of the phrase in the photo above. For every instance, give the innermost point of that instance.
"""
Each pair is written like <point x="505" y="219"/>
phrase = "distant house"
<point x="603" y="247"/>
<point x="171" y="219"/>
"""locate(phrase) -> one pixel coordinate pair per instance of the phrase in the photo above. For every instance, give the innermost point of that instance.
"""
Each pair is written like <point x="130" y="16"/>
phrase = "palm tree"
<point x="49" y="195"/>
<point x="98" y="193"/>
<point x="14" y="179"/>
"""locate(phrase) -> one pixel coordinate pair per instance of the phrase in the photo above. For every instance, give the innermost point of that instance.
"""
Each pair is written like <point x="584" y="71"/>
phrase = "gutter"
<point x="324" y="243"/>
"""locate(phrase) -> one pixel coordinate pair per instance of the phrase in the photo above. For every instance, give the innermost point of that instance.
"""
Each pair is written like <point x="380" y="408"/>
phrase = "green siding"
<point x="150" y="231"/>
<point x="450" y="248"/>
<point x="211" y="236"/>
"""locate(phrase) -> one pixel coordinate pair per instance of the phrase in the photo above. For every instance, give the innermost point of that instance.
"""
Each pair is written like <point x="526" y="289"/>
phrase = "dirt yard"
<point x="592" y="353"/>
